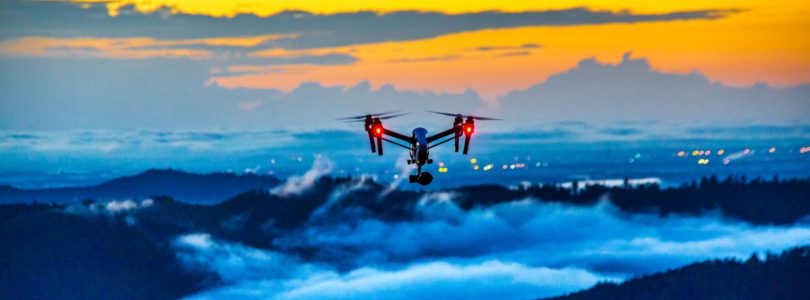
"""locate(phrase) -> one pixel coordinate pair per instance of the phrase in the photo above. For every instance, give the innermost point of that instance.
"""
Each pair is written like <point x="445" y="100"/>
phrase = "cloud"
<point x="109" y="141"/>
<point x="231" y="262"/>
<point x="512" y="48"/>
<point x="347" y="28"/>
<point x="234" y="51"/>
<point x="250" y="273"/>
<point x="295" y="185"/>
<point x="592" y="91"/>
<point x="515" y="53"/>
<point x="633" y="91"/>
<point x="568" y="236"/>
<point x="428" y="59"/>
<point x="111" y="208"/>
<point x="515" y="250"/>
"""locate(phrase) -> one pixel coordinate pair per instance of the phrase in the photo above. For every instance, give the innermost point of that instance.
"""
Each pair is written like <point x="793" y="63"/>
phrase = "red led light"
<point x="467" y="129"/>
<point x="378" y="130"/>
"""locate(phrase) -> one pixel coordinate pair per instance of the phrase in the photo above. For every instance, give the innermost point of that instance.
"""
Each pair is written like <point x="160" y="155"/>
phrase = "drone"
<point x="418" y="143"/>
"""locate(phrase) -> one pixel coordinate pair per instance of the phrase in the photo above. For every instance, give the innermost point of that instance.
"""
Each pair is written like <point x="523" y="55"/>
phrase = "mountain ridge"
<point x="189" y="187"/>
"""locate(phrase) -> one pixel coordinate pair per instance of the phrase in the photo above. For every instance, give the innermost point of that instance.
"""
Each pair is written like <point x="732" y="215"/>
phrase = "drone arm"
<point x="442" y="134"/>
<point x="398" y="144"/>
<point x="442" y="142"/>
<point x="399" y="136"/>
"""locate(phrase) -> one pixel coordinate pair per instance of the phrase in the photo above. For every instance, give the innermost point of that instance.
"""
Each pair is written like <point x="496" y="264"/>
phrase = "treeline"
<point x="782" y="276"/>
<point x="757" y="201"/>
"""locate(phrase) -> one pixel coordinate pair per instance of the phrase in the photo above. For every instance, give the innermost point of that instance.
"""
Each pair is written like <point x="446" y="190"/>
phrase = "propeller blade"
<point x="372" y="115"/>
<point x="486" y="118"/>
<point x="393" y="116"/>
<point x="444" y="113"/>
<point x="463" y="116"/>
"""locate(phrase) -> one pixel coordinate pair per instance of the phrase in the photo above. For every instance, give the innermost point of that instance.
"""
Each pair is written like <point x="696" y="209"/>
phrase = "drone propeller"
<point x="467" y="116"/>
<point x="361" y="117"/>
<point x="393" y="116"/>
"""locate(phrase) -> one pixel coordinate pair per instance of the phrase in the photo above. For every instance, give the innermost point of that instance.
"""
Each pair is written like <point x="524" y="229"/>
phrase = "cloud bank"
<point x="24" y="18"/>
<point x="593" y="92"/>
<point x="516" y="250"/>
<point x="633" y="91"/>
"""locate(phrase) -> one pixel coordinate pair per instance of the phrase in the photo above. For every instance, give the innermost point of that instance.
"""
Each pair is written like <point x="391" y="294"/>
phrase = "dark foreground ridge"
<point x="782" y="276"/>
<point x="126" y="247"/>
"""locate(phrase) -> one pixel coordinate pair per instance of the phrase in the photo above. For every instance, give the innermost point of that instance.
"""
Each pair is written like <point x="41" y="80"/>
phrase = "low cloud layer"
<point x="515" y="250"/>
<point x="592" y="92"/>
<point x="295" y="185"/>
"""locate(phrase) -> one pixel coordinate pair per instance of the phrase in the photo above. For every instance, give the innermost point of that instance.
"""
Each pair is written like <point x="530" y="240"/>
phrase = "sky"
<point x="94" y="89"/>
<point x="173" y="64"/>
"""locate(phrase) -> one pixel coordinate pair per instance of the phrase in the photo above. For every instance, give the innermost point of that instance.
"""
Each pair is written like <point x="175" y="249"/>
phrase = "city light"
<point x="681" y="153"/>
<point x="442" y="170"/>
<point x="487" y="167"/>
<point x="703" y="161"/>
<point x="720" y="152"/>
<point x="475" y="167"/>
<point x="772" y="150"/>
<point x="473" y="161"/>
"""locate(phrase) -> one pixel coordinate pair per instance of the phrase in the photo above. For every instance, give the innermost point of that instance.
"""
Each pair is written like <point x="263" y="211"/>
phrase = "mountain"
<point x="129" y="247"/>
<point x="737" y="197"/>
<point x="187" y="187"/>
<point x="783" y="276"/>
<point x="48" y="254"/>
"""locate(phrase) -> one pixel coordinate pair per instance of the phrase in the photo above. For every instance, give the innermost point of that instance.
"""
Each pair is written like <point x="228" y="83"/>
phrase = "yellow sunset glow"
<point x="717" y="50"/>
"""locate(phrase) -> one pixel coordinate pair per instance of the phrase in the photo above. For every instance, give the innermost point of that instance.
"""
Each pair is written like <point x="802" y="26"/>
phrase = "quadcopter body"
<point x="419" y="142"/>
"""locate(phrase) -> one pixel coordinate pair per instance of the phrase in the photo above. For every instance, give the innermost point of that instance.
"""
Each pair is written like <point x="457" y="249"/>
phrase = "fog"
<point x="516" y="250"/>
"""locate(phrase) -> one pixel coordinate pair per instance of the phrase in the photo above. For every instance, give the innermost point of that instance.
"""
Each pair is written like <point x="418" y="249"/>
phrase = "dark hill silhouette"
<point x="46" y="254"/>
<point x="188" y="187"/>
<point x="755" y="201"/>
<point x="783" y="276"/>
<point x="65" y="245"/>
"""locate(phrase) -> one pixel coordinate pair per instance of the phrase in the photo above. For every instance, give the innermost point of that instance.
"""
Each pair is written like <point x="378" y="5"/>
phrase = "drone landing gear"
<point x="423" y="178"/>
